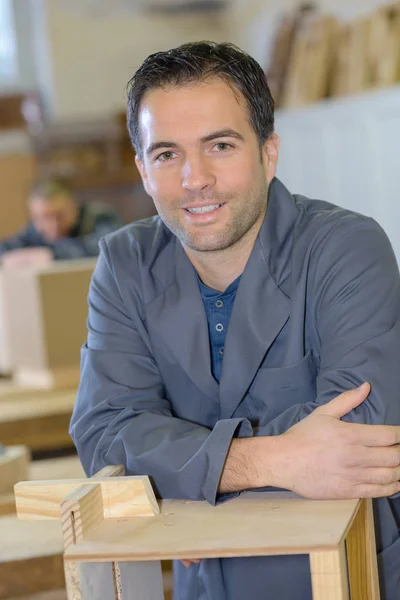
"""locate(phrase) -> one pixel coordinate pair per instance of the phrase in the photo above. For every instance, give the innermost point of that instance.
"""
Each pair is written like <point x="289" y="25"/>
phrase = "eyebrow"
<point x="207" y="138"/>
<point x="222" y="133"/>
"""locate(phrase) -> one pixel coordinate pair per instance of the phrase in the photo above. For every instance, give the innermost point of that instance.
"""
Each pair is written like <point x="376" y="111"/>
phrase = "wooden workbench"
<point x="37" y="419"/>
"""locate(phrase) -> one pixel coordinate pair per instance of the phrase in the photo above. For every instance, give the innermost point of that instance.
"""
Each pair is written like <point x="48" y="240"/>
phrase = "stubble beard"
<point x="242" y="221"/>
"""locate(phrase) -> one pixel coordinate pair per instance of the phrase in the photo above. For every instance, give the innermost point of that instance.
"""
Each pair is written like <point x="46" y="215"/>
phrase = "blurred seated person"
<point x="60" y="227"/>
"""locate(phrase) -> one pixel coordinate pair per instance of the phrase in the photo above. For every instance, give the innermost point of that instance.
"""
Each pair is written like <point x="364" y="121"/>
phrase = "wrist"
<point x="268" y="454"/>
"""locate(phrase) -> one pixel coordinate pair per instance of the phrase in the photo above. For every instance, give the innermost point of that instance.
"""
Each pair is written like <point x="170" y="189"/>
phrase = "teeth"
<point x="203" y="209"/>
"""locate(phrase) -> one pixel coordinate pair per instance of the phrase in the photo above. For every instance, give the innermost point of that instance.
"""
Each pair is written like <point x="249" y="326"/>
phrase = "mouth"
<point x="202" y="209"/>
<point x="203" y="213"/>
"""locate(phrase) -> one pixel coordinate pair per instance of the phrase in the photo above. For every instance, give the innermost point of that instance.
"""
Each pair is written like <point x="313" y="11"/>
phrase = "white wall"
<point x="25" y="77"/>
<point x="346" y="151"/>
<point x="92" y="58"/>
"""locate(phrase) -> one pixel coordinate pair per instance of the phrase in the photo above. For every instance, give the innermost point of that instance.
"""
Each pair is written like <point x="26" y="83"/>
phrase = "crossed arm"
<point x="336" y="445"/>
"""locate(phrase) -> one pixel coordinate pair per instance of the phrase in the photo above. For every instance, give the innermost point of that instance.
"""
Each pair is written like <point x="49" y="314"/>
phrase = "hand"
<point x="27" y="256"/>
<point x="322" y="457"/>
<point x="188" y="563"/>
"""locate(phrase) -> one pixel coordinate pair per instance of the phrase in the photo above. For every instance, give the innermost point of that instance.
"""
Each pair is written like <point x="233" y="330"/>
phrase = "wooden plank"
<point x="329" y="575"/>
<point x="109" y="471"/>
<point x="139" y="581"/>
<point x="50" y="595"/>
<point x="64" y="468"/>
<point x="14" y="467"/>
<point x="17" y="172"/>
<point x="122" y="497"/>
<point x="34" y="549"/>
<point x="308" y="72"/>
<point x="351" y="74"/>
<point x="81" y="510"/>
<point x="7" y="504"/>
<point x="254" y="524"/>
<point x="30" y="557"/>
<point x="362" y="557"/>
<point x="68" y="467"/>
<point x="48" y="378"/>
<point x="280" y="55"/>
<point x="17" y="401"/>
<point x="384" y="45"/>
<point x="40" y="421"/>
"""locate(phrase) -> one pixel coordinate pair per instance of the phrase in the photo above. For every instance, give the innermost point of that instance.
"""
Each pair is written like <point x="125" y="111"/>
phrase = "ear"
<point x="270" y="152"/>
<point x="143" y="174"/>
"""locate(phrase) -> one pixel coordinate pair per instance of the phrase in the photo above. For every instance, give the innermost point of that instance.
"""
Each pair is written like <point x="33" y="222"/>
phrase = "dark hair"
<point x="197" y="62"/>
<point x="47" y="187"/>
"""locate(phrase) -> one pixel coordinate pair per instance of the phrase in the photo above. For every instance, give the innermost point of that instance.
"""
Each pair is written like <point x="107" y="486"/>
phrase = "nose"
<point x="197" y="174"/>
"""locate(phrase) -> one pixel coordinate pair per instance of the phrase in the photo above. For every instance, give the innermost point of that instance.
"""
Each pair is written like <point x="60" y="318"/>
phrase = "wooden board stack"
<point x="384" y="46"/>
<point x="351" y="74"/>
<point x="280" y="57"/>
<point x="316" y="56"/>
<point x="311" y="61"/>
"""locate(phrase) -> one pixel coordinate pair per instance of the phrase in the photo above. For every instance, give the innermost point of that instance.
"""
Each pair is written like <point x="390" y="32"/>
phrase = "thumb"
<point x="346" y="402"/>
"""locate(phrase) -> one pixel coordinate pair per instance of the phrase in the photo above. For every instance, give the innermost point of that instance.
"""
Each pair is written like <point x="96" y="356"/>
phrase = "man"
<point x="59" y="228"/>
<point x="311" y="294"/>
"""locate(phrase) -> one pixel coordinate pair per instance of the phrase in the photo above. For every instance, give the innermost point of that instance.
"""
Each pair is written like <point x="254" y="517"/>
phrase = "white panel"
<point x="346" y="151"/>
<point x="139" y="580"/>
<point x="97" y="581"/>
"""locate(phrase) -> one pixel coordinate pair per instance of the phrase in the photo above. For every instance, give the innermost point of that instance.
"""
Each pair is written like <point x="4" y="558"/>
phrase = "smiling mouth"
<point x="199" y="210"/>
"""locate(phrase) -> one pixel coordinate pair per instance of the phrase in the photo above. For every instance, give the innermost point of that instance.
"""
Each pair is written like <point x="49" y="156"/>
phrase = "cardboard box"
<point x="44" y="321"/>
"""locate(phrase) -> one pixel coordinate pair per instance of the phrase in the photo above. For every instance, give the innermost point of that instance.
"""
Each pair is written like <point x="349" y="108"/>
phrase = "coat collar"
<point x="260" y="311"/>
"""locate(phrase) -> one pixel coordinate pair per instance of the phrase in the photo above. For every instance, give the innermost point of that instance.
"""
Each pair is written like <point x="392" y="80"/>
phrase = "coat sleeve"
<point x="23" y="239"/>
<point x="354" y="311"/>
<point x="121" y="414"/>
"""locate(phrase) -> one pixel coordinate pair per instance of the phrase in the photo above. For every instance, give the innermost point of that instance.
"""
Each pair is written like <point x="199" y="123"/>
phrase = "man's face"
<point x="53" y="217"/>
<point x="202" y="163"/>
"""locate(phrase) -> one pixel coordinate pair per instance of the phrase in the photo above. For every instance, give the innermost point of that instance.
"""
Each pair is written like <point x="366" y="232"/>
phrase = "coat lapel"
<point x="178" y="316"/>
<point x="260" y="311"/>
<point x="261" y="308"/>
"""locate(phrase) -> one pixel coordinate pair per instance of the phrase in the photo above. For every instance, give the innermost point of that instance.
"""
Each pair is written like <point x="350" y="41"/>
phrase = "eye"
<point x="165" y="156"/>
<point x="221" y="146"/>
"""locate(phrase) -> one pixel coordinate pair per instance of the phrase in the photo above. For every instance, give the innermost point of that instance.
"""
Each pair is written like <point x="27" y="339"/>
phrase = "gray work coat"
<point x="317" y="312"/>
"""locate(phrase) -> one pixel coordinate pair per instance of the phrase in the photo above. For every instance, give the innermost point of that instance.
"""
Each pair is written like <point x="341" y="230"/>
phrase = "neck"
<point x="219" y="268"/>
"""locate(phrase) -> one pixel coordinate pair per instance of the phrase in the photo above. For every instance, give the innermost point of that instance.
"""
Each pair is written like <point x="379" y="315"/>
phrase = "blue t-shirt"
<point x="218" y="307"/>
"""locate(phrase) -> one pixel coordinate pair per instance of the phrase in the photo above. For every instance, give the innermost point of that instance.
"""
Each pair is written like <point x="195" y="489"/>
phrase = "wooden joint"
<point x="81" y="510"/>
<point x="121" y="496"/>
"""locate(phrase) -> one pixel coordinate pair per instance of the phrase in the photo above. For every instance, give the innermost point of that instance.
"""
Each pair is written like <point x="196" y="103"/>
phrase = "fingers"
<point x="373" y="435"/>
<point x="346" y="402"/>
<point x="380" y="457"/>
<point x="382" y="476"/>
<point x="377" y="491"/>
<point x="188" y="563"/>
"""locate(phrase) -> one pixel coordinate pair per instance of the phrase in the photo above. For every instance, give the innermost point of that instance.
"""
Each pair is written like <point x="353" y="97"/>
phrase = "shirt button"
<point x="219" y="327"/>
<point x="219" y="303"/>
<point x="221" y="350"/>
